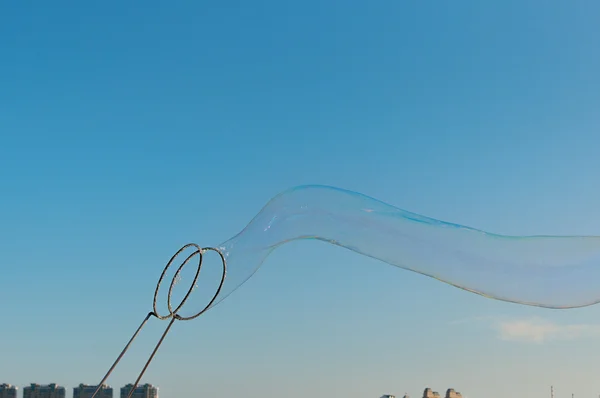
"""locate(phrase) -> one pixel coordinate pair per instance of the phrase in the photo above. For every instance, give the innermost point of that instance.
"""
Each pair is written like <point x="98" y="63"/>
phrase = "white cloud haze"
<point x="538" y="330"/>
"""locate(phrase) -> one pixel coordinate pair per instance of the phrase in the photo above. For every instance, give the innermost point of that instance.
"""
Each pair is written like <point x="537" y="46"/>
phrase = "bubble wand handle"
<point x="173" y="313"/>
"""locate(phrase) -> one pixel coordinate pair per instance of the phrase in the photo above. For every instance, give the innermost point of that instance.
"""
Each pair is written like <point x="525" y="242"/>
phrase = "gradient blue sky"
<point x="127" y="130"/>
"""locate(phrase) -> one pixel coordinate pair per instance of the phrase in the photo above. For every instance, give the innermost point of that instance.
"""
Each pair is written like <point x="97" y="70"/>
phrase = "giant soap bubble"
<point x="544" y="271"/>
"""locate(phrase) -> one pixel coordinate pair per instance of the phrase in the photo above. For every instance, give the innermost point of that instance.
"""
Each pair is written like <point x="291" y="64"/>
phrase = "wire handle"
<point x="173" y="315"/>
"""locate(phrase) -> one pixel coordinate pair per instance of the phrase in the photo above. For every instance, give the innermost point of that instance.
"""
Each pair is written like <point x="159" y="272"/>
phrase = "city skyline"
<point x="146" y="390"/>
<point x="82" y="390"/>
<point x="429" y="393"/>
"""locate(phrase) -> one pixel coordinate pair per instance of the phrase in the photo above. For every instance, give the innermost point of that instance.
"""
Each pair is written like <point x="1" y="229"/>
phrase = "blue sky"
<point x="127" y="130"/>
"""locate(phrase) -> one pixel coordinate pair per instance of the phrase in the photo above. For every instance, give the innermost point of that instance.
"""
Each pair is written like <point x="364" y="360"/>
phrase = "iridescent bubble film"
<point x="545" y="271"/>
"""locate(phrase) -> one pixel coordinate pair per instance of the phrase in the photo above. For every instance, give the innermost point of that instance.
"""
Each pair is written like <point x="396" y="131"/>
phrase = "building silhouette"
<point x="450" y="393"/>
<point x="44" y="391"/>
<point x="86" y="391"/>
<point x="143" y="391"/>
<point x="429" y="393"/>
<point x="8" y="391"/>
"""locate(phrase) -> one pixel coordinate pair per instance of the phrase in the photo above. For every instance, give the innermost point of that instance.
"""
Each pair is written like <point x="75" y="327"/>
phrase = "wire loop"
<point x="173" y="313"/>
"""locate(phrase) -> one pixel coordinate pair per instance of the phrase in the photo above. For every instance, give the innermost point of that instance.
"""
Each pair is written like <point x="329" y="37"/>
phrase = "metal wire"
<point x="173" y="315"/>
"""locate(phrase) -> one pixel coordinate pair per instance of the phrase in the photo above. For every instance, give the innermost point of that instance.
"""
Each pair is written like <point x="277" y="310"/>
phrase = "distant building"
<point x="86" y="391"/>
<point x="44" y="391"/>
<point x="428" y="393"/>
<point x="143" y="391"/>
<point x="453" y="394"/>
<point x="388" y="396"/>
<point x="8" y="391"/>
